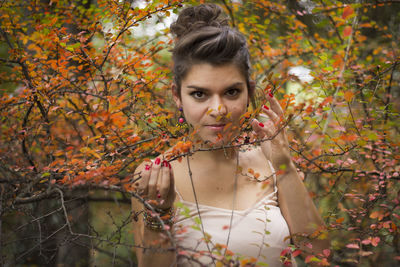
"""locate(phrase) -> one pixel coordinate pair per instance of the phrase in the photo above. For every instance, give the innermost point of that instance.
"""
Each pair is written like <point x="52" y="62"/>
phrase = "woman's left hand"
<point x="275" y="150"/>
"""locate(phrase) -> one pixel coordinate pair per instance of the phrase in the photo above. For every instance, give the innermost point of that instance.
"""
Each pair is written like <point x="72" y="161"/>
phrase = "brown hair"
<point x="203" y="35"/>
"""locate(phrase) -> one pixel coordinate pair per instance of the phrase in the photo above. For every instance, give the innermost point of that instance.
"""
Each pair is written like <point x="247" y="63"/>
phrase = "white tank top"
<point x="259" y="232"/>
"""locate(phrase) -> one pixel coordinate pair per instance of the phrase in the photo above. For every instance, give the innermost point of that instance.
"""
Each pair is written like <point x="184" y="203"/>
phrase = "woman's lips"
<point x="216" y="127"/>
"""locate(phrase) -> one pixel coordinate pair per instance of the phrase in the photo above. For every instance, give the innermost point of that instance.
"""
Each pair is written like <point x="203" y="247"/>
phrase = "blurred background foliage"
<point x="85" y="97"/>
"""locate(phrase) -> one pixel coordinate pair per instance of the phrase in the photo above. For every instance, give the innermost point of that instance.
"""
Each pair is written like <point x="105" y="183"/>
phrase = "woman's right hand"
<point x="157" y="184"/>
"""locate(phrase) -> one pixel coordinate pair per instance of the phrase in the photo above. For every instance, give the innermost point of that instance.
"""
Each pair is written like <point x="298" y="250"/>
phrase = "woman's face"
<point x="213" y="99"/>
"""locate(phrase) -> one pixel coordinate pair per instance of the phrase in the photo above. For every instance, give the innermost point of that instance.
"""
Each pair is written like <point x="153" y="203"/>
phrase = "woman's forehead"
<point x="208" y="76"/>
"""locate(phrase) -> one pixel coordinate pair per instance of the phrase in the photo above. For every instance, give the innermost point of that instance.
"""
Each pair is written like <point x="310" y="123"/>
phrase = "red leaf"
<point x="347" y="31"/>
<point x="285" y="251"/>
<point x="296" y="253"/>
<point x="326" y="252"/>
<point x="375" y="241"/>
<point x="355" y="246"/>
<point x="348" y="10"/>
<point x="366" y="241"/>
<point x="311" y="258"/>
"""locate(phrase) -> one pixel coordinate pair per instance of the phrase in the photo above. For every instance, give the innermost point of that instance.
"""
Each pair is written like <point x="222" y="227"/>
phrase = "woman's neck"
<point x="215" y="153"/>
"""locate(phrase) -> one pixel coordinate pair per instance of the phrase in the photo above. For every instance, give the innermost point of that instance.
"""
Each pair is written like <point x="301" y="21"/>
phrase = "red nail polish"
<point x="267" y="108"/>
<point x="147" y="167"/>
<point x="270" y="95"/>
<point x="157" y="162"/>
<point x="158" y="196"/>
<point x="165" y="163"/>
<point x="261" y="124"/>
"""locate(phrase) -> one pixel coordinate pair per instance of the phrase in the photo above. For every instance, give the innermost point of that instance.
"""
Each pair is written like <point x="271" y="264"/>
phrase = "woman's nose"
<point x="218" y="108"/>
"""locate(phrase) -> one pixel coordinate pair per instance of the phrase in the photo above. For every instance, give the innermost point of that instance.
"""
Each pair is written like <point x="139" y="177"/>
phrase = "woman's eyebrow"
<point x="205" y="89"/>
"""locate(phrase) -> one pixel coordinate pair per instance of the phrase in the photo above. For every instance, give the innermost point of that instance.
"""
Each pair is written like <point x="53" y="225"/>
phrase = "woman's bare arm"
<point x="295" y="203"/>
<point x="153" y="247"/>
<point x="300" y="212"/>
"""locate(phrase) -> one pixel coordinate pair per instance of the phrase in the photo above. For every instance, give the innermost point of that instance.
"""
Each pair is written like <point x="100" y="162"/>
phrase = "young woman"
<point x="226" y="211"/>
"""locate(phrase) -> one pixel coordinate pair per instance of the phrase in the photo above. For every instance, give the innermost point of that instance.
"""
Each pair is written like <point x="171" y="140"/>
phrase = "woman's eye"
<point x="233" y="92"/>
<point x="197" y="94"/>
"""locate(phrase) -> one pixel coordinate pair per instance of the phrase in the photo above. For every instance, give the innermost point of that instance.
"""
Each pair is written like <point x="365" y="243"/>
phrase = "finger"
<point x="275" y="106"/>
<point x="271" y="114"/>
<point x="144" y="180"/>
<point x="171" y="180"/>
<point x="152" y="185"/>
<point x="262" y="129"/>
<point x="164" y="182"/>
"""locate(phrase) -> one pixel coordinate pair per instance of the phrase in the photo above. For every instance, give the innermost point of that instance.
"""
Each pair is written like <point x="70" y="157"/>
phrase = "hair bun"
<point x="196" y="17"/>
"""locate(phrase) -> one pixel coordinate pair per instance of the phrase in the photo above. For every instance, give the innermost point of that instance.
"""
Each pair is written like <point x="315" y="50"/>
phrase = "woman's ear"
<point x="176" y="96"/>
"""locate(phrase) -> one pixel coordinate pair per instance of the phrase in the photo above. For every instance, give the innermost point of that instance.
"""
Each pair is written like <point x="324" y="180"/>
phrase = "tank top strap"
<point x="273" y="176"/>
<point x="178" y="194"/>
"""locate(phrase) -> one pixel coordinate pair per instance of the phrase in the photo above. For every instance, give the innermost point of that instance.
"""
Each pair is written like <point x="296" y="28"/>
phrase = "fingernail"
<point x="270" y="95"/>
<point x="261" y="124"/>
<point x="147" y="167"/>
<point x="165" y="163"/>
<point x="267" y="108"/>
<point x="158" y="195"/>
<point x="157" y="162"/>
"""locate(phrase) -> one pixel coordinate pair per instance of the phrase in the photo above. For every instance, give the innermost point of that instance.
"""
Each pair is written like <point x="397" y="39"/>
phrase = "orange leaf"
<point x="338" y="61"/>
<point x="227" y="126"/>
<point x="340" y="220"/>
<point x="348" y="96"/>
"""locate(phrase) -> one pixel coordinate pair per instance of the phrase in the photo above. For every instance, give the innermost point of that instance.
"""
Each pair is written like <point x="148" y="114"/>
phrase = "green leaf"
<point x="197" y="220"/>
